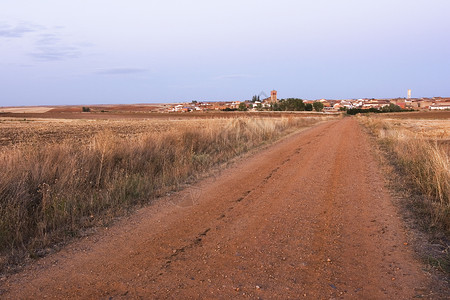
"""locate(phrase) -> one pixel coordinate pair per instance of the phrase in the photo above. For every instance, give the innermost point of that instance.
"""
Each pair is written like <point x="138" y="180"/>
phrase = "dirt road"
<point x="308" y="218"/>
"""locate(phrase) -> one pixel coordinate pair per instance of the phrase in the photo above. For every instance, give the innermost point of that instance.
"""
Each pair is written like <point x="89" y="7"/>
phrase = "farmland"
<point x="420" y="146"/>
<point x="308" y="215"/>
<point x="64" y="175"/>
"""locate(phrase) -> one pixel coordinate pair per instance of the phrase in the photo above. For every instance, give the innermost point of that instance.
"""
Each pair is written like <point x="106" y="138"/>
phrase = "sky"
<point x="55" y="52"/>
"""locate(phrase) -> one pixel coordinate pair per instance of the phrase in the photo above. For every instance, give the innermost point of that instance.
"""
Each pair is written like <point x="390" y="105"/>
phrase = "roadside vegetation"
<point x="52" y="191"/>
<point x="385" y="109"/>
<point x="289" y="104"/>
<point x="421" y="148"/>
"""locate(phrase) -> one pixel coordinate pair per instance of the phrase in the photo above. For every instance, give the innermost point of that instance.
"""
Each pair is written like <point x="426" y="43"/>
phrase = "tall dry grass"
<point x="49" y="192"/>
<point x="426" y="164"/>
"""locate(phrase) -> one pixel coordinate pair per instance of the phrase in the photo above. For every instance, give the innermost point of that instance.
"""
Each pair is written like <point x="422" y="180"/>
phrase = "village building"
<point x="440" y="106"/>
<point x="272" y="99"/>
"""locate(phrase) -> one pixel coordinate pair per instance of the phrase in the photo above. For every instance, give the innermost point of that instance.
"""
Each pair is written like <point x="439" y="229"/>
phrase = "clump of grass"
<point x="51" y="191"/>
<point x="424" y="162"/>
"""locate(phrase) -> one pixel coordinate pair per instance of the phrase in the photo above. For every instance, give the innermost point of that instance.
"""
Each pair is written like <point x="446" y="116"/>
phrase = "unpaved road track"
<point x="307" y="218"/>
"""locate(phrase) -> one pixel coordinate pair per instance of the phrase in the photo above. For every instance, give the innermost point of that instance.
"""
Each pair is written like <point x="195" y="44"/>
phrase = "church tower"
<point x="273" y="96"/>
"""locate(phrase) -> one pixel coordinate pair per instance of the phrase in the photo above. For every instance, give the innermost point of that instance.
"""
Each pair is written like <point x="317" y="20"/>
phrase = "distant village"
<point x="327" y="105"/>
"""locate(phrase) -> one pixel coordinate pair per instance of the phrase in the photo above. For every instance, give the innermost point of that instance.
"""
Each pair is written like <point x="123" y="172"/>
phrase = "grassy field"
<point x="60" y="176"/>
<point x="420" y="144"/>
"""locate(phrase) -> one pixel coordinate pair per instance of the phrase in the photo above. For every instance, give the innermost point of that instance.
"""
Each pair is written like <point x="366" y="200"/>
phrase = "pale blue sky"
<point x="111" y="51"/>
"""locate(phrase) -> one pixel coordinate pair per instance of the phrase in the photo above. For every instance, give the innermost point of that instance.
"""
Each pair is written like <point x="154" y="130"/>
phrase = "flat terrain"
<point x="25" y="110"/>
<point x="422" y="115"/>
<point x="16" y="132"/>
<point x="308" y="217"/>
<point x="139" y="115"/>
<point x="22" y="129"/>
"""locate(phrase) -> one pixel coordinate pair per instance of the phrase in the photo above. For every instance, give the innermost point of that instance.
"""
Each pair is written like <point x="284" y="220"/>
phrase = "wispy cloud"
<point x="232" y="76"/>
<point x="50" y="43"/>
<point x="51" y="47"/>
<point x="55" y="53"/>
<point x="121" y="71"/>
<point x="17" y="31"/>
<point x="48" y="39"/>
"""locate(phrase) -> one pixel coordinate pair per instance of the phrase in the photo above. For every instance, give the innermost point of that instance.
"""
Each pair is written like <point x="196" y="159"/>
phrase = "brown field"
<point x="308" y="216"/>
<point x="151" y="115"/>
<point x="420" y="143"/>
<point x="110" y="108"/>
<point x="24" y="110"/>
<point x="20" y="129"/>
<point x="63" y="175"/>
<point x="422" y="115"/>
<point x="17" y="132"/>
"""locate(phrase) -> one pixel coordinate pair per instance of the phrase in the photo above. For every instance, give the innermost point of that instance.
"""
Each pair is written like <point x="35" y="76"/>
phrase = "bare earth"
<point x="308" y="217"/>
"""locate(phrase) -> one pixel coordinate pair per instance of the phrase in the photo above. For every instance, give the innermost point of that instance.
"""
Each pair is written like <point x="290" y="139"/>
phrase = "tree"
<point x="242" y="106"/>
<point x="275" y="107"/>
<point x="308" y="107"/>
<point x="391" y="108"/>
<point x="290" y="104"/>
<point x="318" y="106"/>
<point x="255" y="98"/>
<point x="85" y="109"/>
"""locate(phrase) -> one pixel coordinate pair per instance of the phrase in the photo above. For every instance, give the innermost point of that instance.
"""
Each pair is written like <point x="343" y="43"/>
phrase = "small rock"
<point x="258" y="287"/>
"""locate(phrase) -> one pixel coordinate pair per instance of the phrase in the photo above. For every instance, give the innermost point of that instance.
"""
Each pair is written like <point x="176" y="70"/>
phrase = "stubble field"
<point x="63" y="175"/>
<point x="420" y="144"/>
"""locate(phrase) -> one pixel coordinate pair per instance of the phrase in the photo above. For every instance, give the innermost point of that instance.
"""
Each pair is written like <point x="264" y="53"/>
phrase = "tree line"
<point x="289" y="104"/>
<point x="385" y="109"/>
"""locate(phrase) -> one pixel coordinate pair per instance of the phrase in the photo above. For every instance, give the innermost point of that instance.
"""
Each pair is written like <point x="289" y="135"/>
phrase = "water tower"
<point x="409" y="94"/>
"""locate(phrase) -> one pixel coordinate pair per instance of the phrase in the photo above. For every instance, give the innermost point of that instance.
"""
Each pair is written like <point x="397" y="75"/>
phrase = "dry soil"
<point x="308" y="217"/>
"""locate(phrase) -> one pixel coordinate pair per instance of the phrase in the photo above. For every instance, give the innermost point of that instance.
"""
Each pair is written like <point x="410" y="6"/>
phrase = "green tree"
<point x="290" y="104"/>
<point x="255" y="98"/>
<point x="318" y="106"/>
<point x="242" y="106"/>
<point x="275" y="107"/>
<point x="308" y="107"/>
<point x="391" y="108"/>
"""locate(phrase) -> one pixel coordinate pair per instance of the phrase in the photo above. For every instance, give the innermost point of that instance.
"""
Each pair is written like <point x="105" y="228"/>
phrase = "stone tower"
<point x="273" y="96"/>
<point x="409" y="94"/>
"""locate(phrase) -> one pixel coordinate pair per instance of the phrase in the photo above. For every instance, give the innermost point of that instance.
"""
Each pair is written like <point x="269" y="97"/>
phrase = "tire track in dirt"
<point x="306" y="218"/>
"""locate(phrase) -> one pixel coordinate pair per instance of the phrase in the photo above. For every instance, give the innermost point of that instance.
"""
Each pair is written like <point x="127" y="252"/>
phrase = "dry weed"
<point x="50" y="191"/>
<point x="419" y="150"/>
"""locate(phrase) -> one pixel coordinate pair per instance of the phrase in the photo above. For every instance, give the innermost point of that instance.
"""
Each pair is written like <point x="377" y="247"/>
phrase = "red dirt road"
<point x="307" y="218"/>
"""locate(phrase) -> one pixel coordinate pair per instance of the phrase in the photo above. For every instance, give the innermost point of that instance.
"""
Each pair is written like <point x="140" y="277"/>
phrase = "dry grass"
<point x="421" y="149"/>
<point x="49" y="191"/>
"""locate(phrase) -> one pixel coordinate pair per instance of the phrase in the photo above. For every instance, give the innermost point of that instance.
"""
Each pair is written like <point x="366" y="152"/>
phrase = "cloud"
<point x="49" y="43"/>
<point x="17" y="31"/>
<point x="55" y="53"/>
<point x="51" y="46"/>
<point x="121" y="71"/>
<point x="232" y="76"/>
<point x="48" y="39"/>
